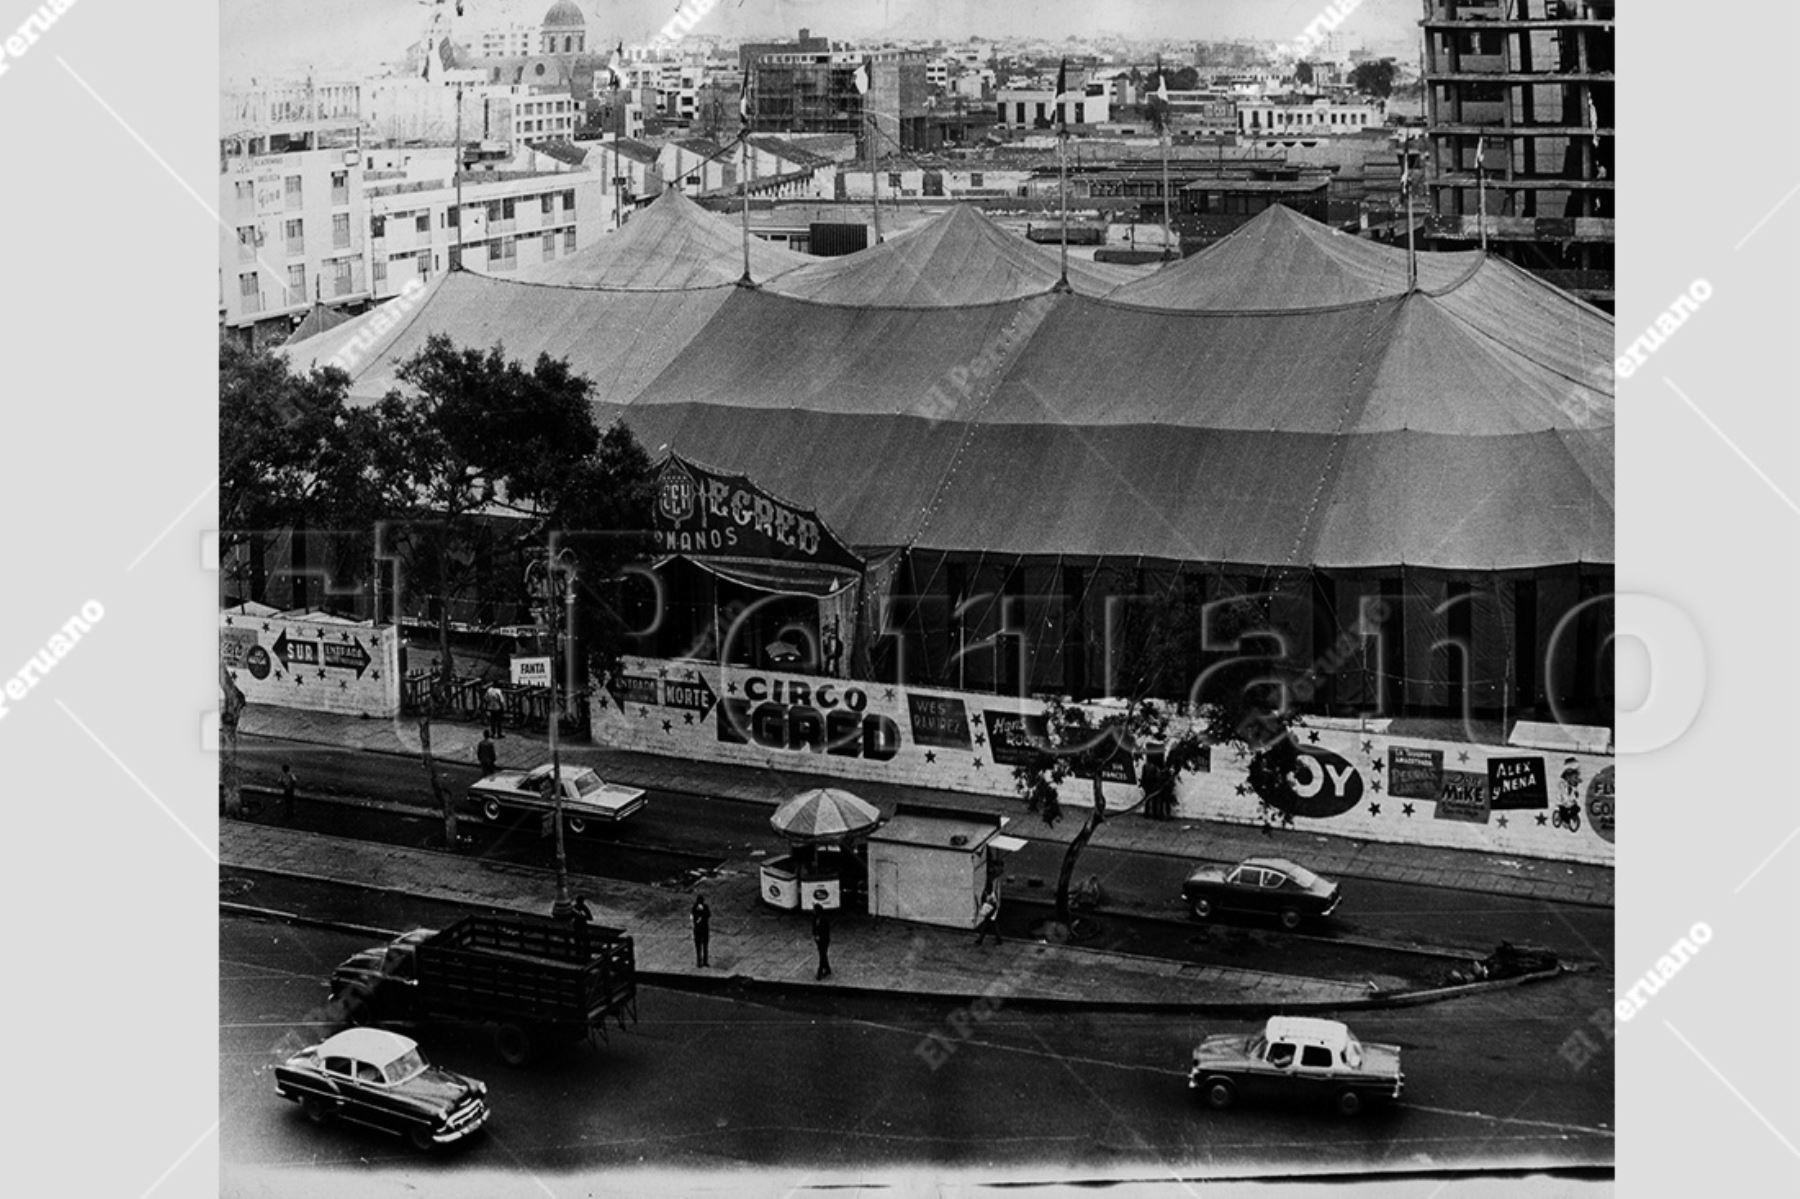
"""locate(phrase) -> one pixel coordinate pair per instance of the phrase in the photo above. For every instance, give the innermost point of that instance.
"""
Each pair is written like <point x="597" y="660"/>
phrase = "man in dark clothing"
<point x="702" y="918"/>
<point x="822" y="938"/>
<point x="987" y="917"/>
<point x="288" y="786"/>
<point x="486" y="755"/>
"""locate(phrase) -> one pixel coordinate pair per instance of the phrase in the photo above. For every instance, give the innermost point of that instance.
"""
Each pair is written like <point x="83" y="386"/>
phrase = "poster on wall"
<point x="938" y="721"/>
<point x="1463" y="796"/>
<point x="1600" y="803"/>
<point x="1011" y="736"/>
<point x="1415" y="773"/>
<point x="1517" y="783"/>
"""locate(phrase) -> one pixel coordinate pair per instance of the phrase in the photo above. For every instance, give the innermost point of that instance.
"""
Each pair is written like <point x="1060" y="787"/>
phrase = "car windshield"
<point x="588" y="783"/>
<point x="405" y="1066"/>
<point x="1302" y="876"/>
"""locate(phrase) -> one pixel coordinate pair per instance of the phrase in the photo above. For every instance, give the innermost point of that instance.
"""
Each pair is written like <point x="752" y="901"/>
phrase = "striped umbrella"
<point x="826" y="814"/>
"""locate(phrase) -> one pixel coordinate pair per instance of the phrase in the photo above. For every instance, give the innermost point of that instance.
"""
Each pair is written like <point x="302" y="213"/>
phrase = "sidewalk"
<point x="1564" y="882"/>
<point x="752" y="942"/>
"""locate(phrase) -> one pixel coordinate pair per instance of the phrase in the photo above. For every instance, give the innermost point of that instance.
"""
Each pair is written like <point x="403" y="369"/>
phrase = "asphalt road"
<point x="679" y="832"/>
<point x="820" y="1084"/>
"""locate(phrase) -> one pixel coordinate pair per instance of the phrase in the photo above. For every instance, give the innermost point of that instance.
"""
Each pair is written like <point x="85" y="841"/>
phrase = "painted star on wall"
<point x="1542" y="820"/>
<point x="980" y="740"/>
<point x="931" y="755"/>
<point x="1374" y="809"/>
<point x="1406" y="809"/>
<point x="1502" y="822"/>
<point x="1368" y="746"/>
<point x="887" y="693"/>
<point x="1462" y="755"/>
<point x="1242" y="790"/>
<point x="668" y="726"/>
<point x="1312" y="736"/>
<point x="687" y="718"/>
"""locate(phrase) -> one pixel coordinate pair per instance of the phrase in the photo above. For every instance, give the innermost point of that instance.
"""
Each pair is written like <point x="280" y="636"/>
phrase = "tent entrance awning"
<point x="781" y="578"/>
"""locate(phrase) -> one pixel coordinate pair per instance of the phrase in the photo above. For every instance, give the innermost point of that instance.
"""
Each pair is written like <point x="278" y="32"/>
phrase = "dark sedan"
<point x="1274" y="886"/>
<point x="377" y="1078"/>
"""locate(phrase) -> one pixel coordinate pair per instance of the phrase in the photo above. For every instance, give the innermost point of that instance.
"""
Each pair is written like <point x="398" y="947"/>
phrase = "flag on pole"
<point x="1162" y="82"/>
<point x="1593" y="120"/>
<point x="430" y="46"/>
<point x="744" y="101"/>
<point x="616" y="68"/>
<point x="862" y="79"/>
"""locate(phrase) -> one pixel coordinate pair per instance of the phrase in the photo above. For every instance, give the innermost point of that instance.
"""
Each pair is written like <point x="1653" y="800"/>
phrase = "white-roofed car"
<point x="1275" y="886"/>
<point x="1296" y="1059"/>
<point x="379" y="1079"/>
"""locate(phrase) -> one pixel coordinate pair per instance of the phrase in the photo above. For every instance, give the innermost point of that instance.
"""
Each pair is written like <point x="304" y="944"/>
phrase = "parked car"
<point x="378" y="1078"/>
<point x="1272" y="885"/>
<point x="1296" y="1060"/>
<point x="587" y="798"/>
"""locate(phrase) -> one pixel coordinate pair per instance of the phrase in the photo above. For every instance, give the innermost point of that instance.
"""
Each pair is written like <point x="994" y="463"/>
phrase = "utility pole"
<point x="456" y="174"/>
<point x="554" y="575"/>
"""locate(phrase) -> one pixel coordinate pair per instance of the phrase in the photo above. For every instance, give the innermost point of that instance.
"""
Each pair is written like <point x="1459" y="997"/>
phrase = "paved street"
<point x="825" y="1084"/>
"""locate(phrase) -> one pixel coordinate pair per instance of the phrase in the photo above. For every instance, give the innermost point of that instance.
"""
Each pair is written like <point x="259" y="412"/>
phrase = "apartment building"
<point x="817" y="93"/>
<point x="1307" y="117"/>
<point x="293" y="215"/>
<point x="1519" y="122"/>
<point x="1039" y="108"/>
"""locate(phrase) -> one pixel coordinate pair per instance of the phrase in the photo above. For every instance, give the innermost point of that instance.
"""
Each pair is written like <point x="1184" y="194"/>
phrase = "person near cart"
<point x="487" y="755"/>
<point x="987" y="916"/>
<point x="494" y="704"/>
<point x="822" y="938"/>
<point x="701" y="915"/>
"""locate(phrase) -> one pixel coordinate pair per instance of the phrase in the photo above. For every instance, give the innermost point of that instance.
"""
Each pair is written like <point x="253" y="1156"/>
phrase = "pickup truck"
<point x="586" y="799"/>
<point x="532" y="980"/>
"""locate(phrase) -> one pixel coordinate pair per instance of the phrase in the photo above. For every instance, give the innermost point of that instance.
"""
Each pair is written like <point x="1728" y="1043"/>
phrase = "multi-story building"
<point x="749" y="52"/>
<point x="507" y="41"/>
<point x="506" y="220"/>
<point x="1040" y="108"/>
<point x="816" y="92"/>
<point x="412" y="110"/>
<point x="1306" y="117"/>
<point x="293" y="224"/>
<point x="1519" y="122"/>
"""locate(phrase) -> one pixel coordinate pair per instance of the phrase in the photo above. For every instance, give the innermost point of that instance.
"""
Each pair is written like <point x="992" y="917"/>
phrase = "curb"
<point x="1528" y="890"/>
<point x="706" y="984"/>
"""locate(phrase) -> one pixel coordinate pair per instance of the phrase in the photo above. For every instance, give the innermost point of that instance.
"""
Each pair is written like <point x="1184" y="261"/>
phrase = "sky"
<point x="348" y="38"/>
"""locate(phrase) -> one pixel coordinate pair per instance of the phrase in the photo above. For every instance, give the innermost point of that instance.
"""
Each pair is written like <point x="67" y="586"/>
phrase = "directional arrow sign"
<point x="689" y="695"/>
<point x="350" y="657"/>
<point x="627" y="689"/>
<point x="305" y="653"/>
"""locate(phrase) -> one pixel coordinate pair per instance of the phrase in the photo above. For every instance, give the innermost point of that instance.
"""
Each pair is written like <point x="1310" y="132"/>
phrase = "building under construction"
<point x="1519" y="127"/>
<point x="818" y="93"/>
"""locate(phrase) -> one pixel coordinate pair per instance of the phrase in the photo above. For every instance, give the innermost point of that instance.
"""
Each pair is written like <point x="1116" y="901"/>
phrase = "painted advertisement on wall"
<point x="319" y="665"/>
<point x="1347" y="781"/>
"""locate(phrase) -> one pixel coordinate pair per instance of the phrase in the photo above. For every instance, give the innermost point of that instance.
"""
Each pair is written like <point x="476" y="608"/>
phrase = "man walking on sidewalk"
<point x="486" y="755"/>
<point x="495" y="705"/>
<point x="702" y="918"/>
<point x="289" y="784"/>
<point x="987" y="917"/>
<point x="822" y="938"/>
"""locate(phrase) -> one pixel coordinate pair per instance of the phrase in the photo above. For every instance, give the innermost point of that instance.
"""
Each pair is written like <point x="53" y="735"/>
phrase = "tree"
<point x="1375" y="78"/>
<point x="1303" y="73"/>
<point x="476" y="429"/>
<point x="292" y="454"/>
<point x="1074" y="744"/>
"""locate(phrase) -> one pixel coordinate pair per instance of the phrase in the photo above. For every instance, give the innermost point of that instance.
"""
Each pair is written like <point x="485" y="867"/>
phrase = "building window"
<point x="547" y="203"/>
<point x="493" y="213"/>
<point x="422" y="223"/>
<point x="548" y="245"/>
<point x="568" y="200"/>
<point x="296" y="237"/>
<point x="454" y="217"/>
<point x="568" y="241"/>
<point x="246" y="197"/>
<point x="247" y="285"/>
<point x="246" y="235"/>
<point x="506" y="208"/>
<point x="378" y="227"/>
<point x="296" y="284"/>
<point x="340" y="231"/>
<point x="894" y="180"/>
<point x="340" y="187"/>
<point x="295" y="195"/>
<point x="381" y="272"/>
<point x="976" y="179"/>
<point x="1080" y="113"/>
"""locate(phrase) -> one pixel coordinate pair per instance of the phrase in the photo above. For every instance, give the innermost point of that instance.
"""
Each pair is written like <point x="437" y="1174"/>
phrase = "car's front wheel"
<point x="1202" y="907"/>
<point x="1220" y="1093"/>
<point x="1290" y="919"/>
<point x="1349" y="1103"/>
<point x="315" y="1108"/>
<point x="420" y="1136"/>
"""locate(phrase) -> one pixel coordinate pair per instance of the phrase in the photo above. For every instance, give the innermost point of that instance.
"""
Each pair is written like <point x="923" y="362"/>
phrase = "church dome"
<point x="564" y="14"/>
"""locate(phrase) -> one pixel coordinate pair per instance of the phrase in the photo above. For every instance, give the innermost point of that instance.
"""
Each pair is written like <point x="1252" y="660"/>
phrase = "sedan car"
<point x="1272" y="885"/>
<point x="374" y="1077"/>
<point x="1296" y="1060"/>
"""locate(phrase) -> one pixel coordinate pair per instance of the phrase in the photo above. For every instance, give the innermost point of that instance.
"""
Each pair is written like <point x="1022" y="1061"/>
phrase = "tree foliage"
<point x="1374" y="78"/>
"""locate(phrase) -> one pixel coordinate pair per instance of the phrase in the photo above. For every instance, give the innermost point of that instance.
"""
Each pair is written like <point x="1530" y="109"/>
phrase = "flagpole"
<point x="874" y="170"/>
<point x="1412" y="266"/>
<point x="1481" y="187"/>
<point x="744" y="140"/>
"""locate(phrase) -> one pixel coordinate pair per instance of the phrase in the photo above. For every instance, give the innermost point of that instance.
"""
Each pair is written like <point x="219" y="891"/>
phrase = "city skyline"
<point x="278" y="39"/>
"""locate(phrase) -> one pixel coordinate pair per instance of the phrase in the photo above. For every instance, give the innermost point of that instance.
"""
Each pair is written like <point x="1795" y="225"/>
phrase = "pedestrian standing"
<point x="486" y="754"/>
<point x="495" y="705"/>
<point x="987" y="916"/>
<point x="701" y="915"/>
<point x="289" y="784"/>
<point x="822" y="938"/>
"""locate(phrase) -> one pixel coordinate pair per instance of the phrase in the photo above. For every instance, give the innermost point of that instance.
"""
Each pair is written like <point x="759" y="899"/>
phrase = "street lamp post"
<point x="556" y="577"/>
